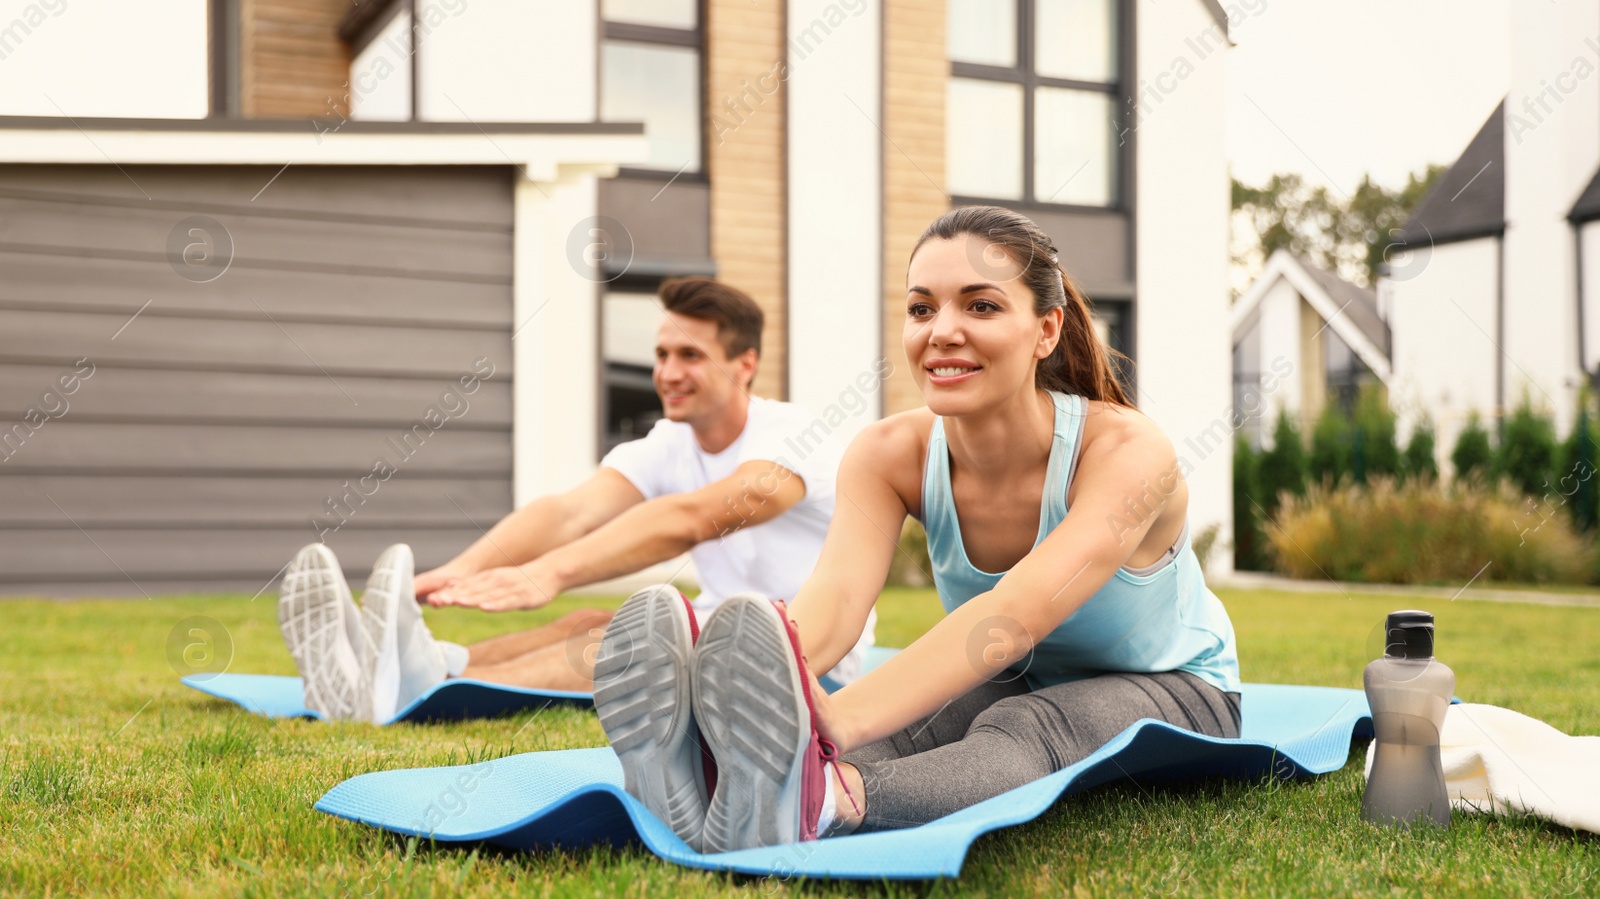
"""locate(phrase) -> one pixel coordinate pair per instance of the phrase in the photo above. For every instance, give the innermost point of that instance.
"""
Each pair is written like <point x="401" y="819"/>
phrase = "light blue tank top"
<point x="1151" y="621"/>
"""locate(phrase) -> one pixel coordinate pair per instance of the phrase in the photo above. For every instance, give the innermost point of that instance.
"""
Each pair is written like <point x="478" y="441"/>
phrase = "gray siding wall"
<point x="228" y="422"/>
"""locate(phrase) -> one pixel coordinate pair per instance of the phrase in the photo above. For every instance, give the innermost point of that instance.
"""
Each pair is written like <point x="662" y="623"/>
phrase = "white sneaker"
<point x="405" y="659"/>
<point x="323" y="631"/>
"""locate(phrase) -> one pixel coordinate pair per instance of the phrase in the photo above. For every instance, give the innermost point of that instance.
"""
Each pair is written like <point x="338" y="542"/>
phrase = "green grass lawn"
<point x="114" y="778"/>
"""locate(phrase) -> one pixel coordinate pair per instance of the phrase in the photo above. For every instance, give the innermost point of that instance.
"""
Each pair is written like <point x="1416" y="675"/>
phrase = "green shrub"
<point x="1330" y="446"/>
<point x="1527" y="455"/>
<point x="1246" y="519"/>
<point x="1472" y="457"/>
<point x="1417" y="462"/>
<point x="1282" y="468"/>
<point x="1384" y="532"/>
<point x="1576" y="482"/>
<point x="1373" y="449"/>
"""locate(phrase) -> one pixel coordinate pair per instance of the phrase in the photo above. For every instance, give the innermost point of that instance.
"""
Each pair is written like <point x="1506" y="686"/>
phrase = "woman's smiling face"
<point x="971" y="334"/>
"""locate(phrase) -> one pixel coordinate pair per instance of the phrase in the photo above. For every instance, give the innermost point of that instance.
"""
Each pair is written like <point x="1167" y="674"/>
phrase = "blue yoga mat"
<point x="573" y="798"/>
<point x="453" y="700"/>
<point x="456" y="699"/>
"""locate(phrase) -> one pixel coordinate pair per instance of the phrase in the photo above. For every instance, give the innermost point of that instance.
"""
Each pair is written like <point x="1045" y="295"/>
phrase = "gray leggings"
<point x="1002" y="735"/>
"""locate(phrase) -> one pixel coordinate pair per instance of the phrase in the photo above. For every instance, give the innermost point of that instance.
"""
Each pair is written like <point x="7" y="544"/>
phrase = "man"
<point x="716" y="477"/>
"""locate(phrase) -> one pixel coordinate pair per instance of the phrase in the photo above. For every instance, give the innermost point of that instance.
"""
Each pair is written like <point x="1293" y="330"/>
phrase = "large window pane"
<point x="1074" y="147"/>
<point x="1075" y="39"/>
<point x="659" y="86"/>
<point x="982" y="31"/>
<point x="983" y="139"/>
<point x="664" y="13"/>
<point x="628" y="327"/>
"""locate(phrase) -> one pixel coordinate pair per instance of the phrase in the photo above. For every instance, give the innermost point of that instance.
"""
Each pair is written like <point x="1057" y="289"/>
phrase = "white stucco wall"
<point x="507" y="60"/>
<point x="835" y="163"/>
<point x="103" y="58"/>
<point x="1552" y="151"/>
<point x="555" y="438"/>
<point x="1442" y="340"/>
<point x="1182" y="210"/>
<point x="1280" y="339"/>
<point x="380" y="75"/>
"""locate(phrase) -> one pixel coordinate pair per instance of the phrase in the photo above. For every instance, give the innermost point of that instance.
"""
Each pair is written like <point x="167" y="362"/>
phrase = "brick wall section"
<point x="746" y="165"/>
<point x="292" y="63"/>
<point x="915" y="72"/>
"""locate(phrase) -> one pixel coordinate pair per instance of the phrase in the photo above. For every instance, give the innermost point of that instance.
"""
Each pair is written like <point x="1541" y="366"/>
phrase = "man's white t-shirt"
<point x="774" y="558"/>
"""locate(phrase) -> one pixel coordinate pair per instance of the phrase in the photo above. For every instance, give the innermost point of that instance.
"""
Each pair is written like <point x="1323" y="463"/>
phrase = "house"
<point x="1303" y="338"/>
<point x="1491" y="293"/>
<point x="382" y="270"/>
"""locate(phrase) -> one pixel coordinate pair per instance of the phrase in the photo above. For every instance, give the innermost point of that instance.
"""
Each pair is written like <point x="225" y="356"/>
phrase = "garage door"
<point x="204" y="368"/>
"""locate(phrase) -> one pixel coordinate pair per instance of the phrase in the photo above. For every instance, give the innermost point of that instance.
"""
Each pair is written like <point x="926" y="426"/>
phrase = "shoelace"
<point x="830" y="754"/>
<point x="829" y="751"/>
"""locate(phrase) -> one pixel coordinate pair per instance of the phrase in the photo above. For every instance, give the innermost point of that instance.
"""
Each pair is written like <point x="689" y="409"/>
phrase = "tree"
<point x="1527" y="455"/>
<point x="1578" y="480"/>
<point x="1417" y="461"/>
<point x="1247" y="542"/>
<point x="1374" y="434"/>
<point x="1350" y="235"/>
<point x="1283" y="468"/>
<point x="1330" y="446"/>
<point x="1472" y="456"/>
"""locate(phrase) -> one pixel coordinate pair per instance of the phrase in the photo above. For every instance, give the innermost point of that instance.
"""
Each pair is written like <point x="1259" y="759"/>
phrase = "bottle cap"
<point x="1408" y="635"/>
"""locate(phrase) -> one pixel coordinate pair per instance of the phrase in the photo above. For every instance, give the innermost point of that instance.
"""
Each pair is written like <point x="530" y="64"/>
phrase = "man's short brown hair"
<point x="737" y="317"/>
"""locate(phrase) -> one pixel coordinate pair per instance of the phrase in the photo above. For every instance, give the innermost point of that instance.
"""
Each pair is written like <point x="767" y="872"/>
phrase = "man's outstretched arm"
<point x="537" y="528"/>
<point x="645" y="534"/>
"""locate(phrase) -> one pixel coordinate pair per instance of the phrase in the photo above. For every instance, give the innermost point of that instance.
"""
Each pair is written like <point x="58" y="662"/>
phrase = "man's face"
<point x="693" y="375"/>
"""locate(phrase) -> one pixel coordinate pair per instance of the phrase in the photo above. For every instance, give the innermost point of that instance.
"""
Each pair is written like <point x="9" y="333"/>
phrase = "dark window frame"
<point x="222" y="59"/>
<point x="659" y="35"/>
<point x="1024" y="74"/>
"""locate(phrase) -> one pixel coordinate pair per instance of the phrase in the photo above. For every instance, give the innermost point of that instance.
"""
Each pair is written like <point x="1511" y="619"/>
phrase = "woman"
<point x="1056" y="520"/>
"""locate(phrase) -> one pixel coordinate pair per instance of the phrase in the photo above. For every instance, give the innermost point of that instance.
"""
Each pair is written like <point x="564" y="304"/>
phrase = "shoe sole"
<point x="641" y="693"/>
<point x="751" y="707"/>
<point x="391" y="576"/>
<point x="311" y="610"/>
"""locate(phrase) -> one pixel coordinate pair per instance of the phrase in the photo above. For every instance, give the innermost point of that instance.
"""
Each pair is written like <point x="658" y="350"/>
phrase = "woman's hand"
<point x="501" y="589"/>
<point x="827" y="717"/>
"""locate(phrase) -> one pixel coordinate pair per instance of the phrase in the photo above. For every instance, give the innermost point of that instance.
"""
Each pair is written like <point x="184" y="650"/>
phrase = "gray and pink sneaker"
<point x="642" y="695"/>
<point x="753" y="704"/>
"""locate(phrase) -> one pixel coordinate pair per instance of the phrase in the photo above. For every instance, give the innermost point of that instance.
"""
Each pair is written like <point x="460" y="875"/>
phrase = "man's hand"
<point x="500" y="589"/>
<point x="430" y="582"/>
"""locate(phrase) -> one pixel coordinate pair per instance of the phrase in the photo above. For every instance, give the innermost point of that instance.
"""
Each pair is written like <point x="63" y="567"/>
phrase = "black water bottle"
<point x="1408" y="691"/>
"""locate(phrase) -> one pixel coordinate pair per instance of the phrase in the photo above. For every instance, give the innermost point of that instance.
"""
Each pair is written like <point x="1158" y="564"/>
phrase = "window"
<point x="629" y="317"/>
<point x="1345" y="371"/>
<point x="650" y="71"/>
<point x="1032" y="102"/>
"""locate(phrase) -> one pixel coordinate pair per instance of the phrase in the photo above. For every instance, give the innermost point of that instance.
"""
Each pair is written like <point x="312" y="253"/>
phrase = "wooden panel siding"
<point x="71" y="278"/>
<point x="915" y="73"/>
<point x="223" y="417"/>
<point x="186" y="500"/>
<point x="191" y="397"/>
<point x="748" y="239"/>
<point x="292" y="63"/>
<point x="132" y="556"/>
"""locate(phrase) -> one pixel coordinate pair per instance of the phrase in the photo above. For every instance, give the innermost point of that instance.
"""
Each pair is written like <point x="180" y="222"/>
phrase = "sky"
<point x="1332" y="90"/>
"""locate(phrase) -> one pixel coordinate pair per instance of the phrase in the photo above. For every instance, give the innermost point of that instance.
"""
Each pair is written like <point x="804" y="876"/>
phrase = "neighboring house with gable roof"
<point x="1302" y="338"/>
<point x="1492" y="294"/>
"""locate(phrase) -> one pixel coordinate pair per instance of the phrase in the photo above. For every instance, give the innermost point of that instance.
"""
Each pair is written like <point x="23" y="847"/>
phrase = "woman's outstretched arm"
<point x="1123" y="483"/>
<point x="832" y="606"/>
